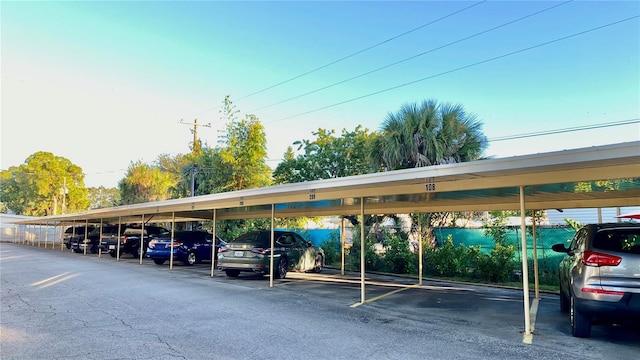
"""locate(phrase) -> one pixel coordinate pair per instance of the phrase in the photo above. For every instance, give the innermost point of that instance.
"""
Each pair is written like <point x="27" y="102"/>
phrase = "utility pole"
<point x="194" y="131"/>
<point x="195" y="150"/>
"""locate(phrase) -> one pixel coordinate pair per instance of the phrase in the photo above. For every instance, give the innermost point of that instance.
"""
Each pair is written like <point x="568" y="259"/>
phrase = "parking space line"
<point x="53" y="280"/>
<point x="376" y="298"/>
<point x="528" y="338"/>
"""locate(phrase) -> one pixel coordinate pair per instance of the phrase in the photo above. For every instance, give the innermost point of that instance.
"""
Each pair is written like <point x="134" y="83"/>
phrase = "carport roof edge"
<point x="584" y="164"/>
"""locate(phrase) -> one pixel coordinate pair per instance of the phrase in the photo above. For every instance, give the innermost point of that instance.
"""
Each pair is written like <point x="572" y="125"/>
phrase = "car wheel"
<point x="112" y="253"/>
<point x="68" y="245"/>
<point x="580" y="323"/>
<point x="136" y="253"/>
<point x="232" y="273"/>
<point x="565" y="302"/>
<point x="159" y="261"/>
<point x="191" y="258"/>
<point x="281" y="269"/>
<point x="77" y="251"/>
<point x="94" y="249"/>
<point x="319" y="261"/>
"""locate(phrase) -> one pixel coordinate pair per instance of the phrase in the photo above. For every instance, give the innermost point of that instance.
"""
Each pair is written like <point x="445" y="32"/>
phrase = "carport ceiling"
<point x="552" y="180"/>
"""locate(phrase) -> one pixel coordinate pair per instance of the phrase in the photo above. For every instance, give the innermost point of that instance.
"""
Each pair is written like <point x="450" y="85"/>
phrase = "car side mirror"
<point x="560" y="248"/>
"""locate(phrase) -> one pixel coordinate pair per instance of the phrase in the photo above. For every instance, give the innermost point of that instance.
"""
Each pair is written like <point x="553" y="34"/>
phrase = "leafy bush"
<point x="331" y="249"/>
<point x="372" y="261"/>
<point x="498" y="266"/>
<point x="447" y="260"/>
<point x="398" y="258"/>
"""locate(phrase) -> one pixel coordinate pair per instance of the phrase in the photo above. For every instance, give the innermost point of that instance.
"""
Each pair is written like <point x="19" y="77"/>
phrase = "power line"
<point x="414" y="56"/>
<point x="500" y="138"/>
<point x="571" y="129"/>
<point x="457" y="69"/>
<point x="363" y="50"/>
<point x="354" y="54"/>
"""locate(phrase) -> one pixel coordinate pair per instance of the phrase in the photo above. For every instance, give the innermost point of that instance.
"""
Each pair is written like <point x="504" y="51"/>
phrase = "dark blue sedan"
<point x="189" y="247"/>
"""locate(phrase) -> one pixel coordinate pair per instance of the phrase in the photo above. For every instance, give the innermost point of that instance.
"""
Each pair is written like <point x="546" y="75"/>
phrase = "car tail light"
<point x="124" y="239"/>
<point x="223" y="249"/>
<point x="152" y="243"/>
<point x="261" y="251"/>
<point x="601" y="291"/>
<point x="592" y="258"/>
<point x="176" y="244"/>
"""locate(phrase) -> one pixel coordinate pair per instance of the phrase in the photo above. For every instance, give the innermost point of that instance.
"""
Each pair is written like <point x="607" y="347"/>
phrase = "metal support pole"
<point x="141" y="248"/>
<point x="343" y="238"/>
<point x="214" y="254"/>
<point x="118" y="239"/>
<point x="86" y="244"/>
<point x="525" y="267"/>
<point x="536" y="270"/>
<point x="100" y="240"/>
<point x="420" y="256"/>
<point x="73" y="236"/>
<point x="173" y="229"/>
<point x="273" y="213"/>
<point x="362" y="259"/>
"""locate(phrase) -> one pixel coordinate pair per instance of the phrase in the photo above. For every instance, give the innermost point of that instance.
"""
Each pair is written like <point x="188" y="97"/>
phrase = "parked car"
<point x="189" y="247"/>
<point x="250" y="252"/>
<point x="73" y="231"/>
<point x="600" y="276"/>
<point x="129" y="238"/>
<point x="92" y="241"/>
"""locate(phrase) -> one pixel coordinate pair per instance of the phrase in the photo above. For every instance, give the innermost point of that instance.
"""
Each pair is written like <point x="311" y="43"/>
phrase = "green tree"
<point x="179" y="169"/>
<point x="429" y="134"/>
<point x="207" y="172"/>
<point x="425" y="135"/>
<point x="102" y="197"/>
<point x="145" y="183"/>
<point x="44" y="185"/>
<point x="286" y="171"/>
<point x="244" y="155"/>
<point x="327" y="157"/>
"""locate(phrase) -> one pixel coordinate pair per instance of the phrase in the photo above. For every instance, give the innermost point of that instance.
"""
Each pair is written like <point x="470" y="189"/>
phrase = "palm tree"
<point x="429" y="134"/>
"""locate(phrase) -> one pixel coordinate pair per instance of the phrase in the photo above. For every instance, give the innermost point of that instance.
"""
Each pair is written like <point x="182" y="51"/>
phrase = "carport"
<point x="555" y="180"/>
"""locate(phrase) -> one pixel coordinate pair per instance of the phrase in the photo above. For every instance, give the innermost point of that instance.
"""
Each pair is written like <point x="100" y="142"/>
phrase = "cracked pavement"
<point x="60" y="305"/>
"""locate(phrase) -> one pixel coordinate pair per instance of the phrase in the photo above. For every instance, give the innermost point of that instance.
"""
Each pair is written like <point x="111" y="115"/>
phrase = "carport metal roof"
<point x="554" y="180"/>
<point x="550" y="180"/>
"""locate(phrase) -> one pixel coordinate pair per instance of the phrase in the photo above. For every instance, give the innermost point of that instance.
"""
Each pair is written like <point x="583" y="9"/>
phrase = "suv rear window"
<point x="79" y="230"/>
<point x="255" y="238"/>
<point x="619" y="240"/>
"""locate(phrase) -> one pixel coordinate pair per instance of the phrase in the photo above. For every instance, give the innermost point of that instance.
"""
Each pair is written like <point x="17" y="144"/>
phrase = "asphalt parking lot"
<point x="61" y="305"/>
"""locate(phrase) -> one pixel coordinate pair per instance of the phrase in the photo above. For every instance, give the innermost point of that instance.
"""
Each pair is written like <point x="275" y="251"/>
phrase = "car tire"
<point x="68" y="246"/>
<point x="281" y="269"/>
<point x="94" y="249"/>
<point x="232" y="273"/>
<point x="318" y="265"/>
<point x="565" y="302"/>
<point x="580" y="323"/>
<point x="159" y="261"/>
<point x="191" y="258"/>
<point x="112" y="253"/>
<point x="77" y="251"/>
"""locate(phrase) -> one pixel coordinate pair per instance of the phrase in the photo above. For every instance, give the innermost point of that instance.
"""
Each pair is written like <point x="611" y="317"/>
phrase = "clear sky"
<point x="107" y="83"/>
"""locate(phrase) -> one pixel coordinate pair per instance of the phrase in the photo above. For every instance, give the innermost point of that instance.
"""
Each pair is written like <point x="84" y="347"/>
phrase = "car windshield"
<point x="619" y="240"/>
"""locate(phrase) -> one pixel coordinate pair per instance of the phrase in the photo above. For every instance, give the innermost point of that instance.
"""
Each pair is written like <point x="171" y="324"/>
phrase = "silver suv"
<point x="600" y="276"/>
